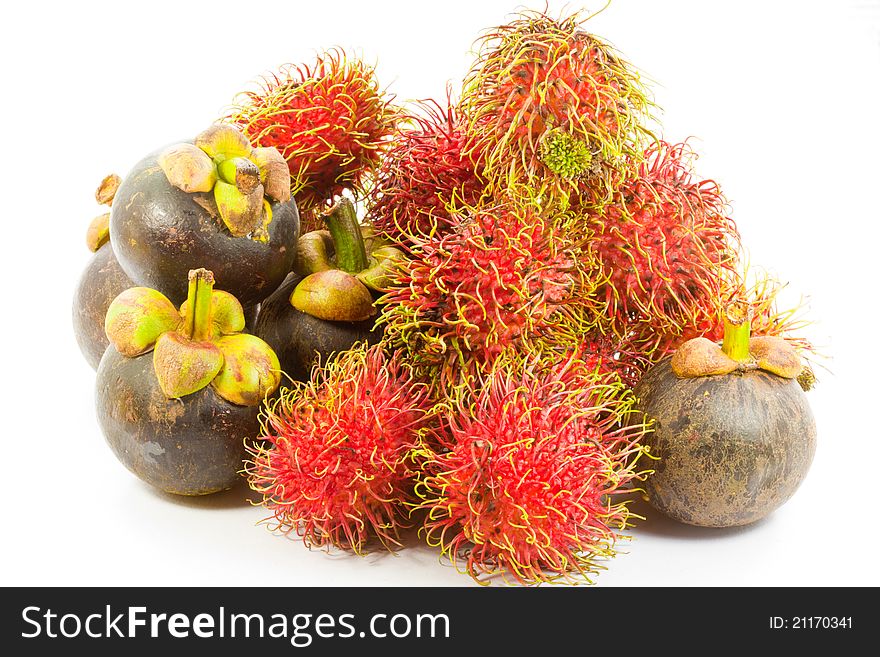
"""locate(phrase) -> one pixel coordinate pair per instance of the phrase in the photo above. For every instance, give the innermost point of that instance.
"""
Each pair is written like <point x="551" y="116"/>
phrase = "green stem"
<point x="341" y="219"/>
<point x="737" y="331"/>
<point x="197" y="323"/>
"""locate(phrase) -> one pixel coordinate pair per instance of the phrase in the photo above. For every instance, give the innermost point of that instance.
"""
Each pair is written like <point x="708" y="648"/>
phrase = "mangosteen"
<point x="178" y="391"/>
<point x="215" y="203"/>
<point x="103" y="279"/>
<point x="329" y="302"/>
<point x="99" y="283"/>
<point x="733" y="433"/>
<point x="300" y="339"/>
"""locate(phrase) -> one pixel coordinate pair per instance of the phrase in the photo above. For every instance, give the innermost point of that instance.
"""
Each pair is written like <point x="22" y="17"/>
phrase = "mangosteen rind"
<point x="189" y="446"/>
<point x="159" y="233"/>
<point x="730" y="448"/>
<point x="100" y="282"/>
<point x="299" y="339"/>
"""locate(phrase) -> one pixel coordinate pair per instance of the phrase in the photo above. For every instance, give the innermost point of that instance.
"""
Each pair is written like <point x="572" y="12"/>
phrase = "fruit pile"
<point x="492" y="316"/>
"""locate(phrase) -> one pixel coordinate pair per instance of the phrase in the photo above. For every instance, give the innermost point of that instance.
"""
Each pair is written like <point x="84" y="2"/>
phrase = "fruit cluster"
<point x="454" y="337"/>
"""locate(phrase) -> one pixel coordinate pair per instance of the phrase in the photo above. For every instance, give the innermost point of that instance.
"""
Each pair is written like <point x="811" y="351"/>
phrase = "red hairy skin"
<point x="495" y="280"/>
<point x="422" y="174"/>
<point x="334" y="465"/>
<point x="522" y="480"/>
<point x="553" y="111"/>
<point x="663" y="244"/>
<point x="612" y="359"/>
<point x="330" y="121"/>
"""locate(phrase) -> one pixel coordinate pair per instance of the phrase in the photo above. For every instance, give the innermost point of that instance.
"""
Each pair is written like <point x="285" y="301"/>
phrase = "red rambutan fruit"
<point x="329" y="120"/>
<point x="333" y="464"/>
<point x="423" y="173"/>
<point x="553" y="109"/>
<point x="663" y="245"/>
<point x="497" y="279"/>
<point x="613" y="360"/>
<point x="523" y="480"/>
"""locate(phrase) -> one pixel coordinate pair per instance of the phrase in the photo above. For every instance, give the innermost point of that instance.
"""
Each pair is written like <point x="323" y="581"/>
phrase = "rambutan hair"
<point x="553" y="111"/>
<point x="329" y="120"/>
<point x="496" y="279"/>
<point x="423" y="173"/>
<point x="615" y="358"/>
<point x="612" y="359"/>
<point x="525" y="477"/>
<point x="332" y="465"/>
<point x="663" y="244"/>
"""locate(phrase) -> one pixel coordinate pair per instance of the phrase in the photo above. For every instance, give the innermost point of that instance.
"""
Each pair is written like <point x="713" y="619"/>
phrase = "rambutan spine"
<point x="523" y="478"/>
<point x="333" y="462"/>
<point x="424" y="174"/>
<point x="330" y="120"/>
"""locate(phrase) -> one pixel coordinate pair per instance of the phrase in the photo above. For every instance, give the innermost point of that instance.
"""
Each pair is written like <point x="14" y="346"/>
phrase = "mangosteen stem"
<point x="737" y="331"/>
<point x="341" y="219"/>
<point x="198" y="321"/>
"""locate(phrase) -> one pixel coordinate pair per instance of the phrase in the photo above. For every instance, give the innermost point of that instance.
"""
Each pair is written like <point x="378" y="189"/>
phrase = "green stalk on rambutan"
<point x="525" y="476"/>
<point x="330" y="120"/>
<point x="553" y="111"/>
<point x="333" y="462"/>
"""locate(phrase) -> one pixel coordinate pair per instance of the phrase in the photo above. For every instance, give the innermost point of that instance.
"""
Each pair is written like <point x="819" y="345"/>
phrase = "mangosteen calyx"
<point x="98" y="233"/>
<point x="739" y="351"/>
<point x="222" y="161"/>
<point x="106" y="191"/>
<point x="340" y="266"/>
<point x="198" y="345"/>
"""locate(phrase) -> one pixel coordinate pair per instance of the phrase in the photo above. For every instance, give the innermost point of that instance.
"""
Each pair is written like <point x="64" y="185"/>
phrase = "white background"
<point x="782" y="99"/>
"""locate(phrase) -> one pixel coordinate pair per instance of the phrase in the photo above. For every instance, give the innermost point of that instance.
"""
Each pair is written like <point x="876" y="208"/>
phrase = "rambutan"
<point x="330" y="121"/>
<point x="553" y="109"/>
<point x="612" y="359"/>
<point x="523" y="479"/>
<point x="423" y="173"/>
<point x="663" y="246"/>
<point x="496" y="279"/>
<point x="332" y="466"/>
